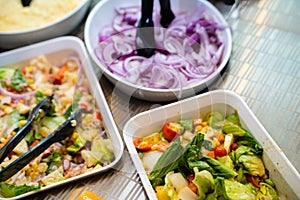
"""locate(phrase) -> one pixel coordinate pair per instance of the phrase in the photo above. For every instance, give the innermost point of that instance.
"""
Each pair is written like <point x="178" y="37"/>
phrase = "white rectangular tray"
<point x="58" y="48"/>
<point x="282" y="172"/>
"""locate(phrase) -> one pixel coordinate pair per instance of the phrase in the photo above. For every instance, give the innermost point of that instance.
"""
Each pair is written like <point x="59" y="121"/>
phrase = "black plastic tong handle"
<point x="166" y="13"/>
<point x="44" y="105"/>
<point x="63" y="131"/>
<point x="26" y="2"/>
<point x="145" y="42"/>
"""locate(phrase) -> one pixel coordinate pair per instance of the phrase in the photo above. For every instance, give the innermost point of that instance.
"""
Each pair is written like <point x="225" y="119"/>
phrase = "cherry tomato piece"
<point x="168" y="132"/>
<point x="233" y="146"/>
<point x="190" y="177"/>
<point x="254" y="181"/>
<point x="220" y="151"/>
<point x="193" y="187"/>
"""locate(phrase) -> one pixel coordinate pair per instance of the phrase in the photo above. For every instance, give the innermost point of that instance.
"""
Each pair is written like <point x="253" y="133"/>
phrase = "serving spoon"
<point x="26" y="3"/>
<point x="145" y="41"/>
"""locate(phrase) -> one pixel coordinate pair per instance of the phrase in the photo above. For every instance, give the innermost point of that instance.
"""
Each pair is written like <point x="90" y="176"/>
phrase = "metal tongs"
<point x="40" y="110"/>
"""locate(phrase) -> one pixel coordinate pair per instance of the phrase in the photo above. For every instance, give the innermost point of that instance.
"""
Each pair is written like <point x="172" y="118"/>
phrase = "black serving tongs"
<point x="63" y="131"/>
<point x="145" y="42"/>
<point x="26" y="3"/>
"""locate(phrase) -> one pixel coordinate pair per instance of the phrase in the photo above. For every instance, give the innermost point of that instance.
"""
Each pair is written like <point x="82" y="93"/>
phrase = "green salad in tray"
<point x="88" y="148"/>
<point x="212" y="157"/>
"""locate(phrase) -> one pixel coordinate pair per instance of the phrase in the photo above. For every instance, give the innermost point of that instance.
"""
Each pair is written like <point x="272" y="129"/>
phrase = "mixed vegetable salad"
<point x="212" y="157"/>
<point x="22" y="86"/>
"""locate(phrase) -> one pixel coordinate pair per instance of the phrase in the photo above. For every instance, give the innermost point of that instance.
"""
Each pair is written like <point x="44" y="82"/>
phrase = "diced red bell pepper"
<point x="141" y="145"/>
<point x="171" y="130"/>
<point x="253" y="180"/>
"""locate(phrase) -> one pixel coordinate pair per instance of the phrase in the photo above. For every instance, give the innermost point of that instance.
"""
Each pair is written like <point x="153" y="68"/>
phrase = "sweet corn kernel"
<point x="204" y="123"/>
<point x="74" y="136"/>
<point x="3" y="140"/>
<point x="22" y="122"/>
<point x="8" y="180"/>
<point x="198" y="128"/>
<point x="30" y="68"/>
<point x="13" y="133"/>
<point x="34" y="165"/>
<point x="30" y="81"/>
<point x="8" y="109"/>
<point x="45" y="131"/>
<point x="74" y="79"/>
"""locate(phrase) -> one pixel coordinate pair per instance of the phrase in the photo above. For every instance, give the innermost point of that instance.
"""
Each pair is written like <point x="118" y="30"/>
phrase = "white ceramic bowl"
<point x="282" y="172"/>
<point x="60" y="27"/>
<point x="103" y="13"/>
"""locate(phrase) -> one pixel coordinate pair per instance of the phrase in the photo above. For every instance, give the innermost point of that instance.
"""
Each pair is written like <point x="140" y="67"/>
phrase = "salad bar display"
<point x="205" y="158"/>
<point x="38" y="97"/>
<point x="202" y="101"/>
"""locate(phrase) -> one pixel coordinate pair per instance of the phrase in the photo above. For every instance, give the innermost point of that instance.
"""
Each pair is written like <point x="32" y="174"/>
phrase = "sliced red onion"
<point x="188" y="51"/>
<point x="79" y="158"/>
<point x="66" y="164"/>
<point x="40" y="177"/>
<point x="16" y="96"/>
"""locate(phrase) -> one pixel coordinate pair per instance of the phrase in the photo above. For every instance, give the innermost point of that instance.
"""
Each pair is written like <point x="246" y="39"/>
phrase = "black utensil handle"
<point x="166" y="13"/>
<point x="145" y="42"/>
<point x="147" y="12"/>
<point x="14" y="141"/>
<point x="26" y="2"/>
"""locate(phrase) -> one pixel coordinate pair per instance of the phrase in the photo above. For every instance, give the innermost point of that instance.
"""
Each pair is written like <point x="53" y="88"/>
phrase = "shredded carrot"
<point x="35" y="142"/>
<point x="61" y="73"/>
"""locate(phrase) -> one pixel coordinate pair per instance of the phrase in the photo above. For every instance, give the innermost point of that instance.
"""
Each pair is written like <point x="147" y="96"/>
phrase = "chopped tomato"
<point x="220" y="151"/>
<point x="233" y="146"/>
<point x="137" y="141"/>
<point x="190" y="177"/>
<point x="211" y="154"/>
<point x="253" y="180"/>
<point x="60" y="75"/>
<point x="68" y="173"/>
<point x="98" y="115"/>
<point x="220" y="137"/>
<point x="141" y="145"/>
<point x="10" y="154"/>
<point x="171" y="130"/>
<point x="193" y="187"/>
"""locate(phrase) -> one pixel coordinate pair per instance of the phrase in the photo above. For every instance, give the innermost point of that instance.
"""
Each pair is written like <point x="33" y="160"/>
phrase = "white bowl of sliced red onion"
<point x="191" y="53"/>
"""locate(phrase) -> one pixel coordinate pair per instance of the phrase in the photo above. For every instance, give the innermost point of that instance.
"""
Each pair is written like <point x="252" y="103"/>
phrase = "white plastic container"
<point x="58" y="48"/>
<point x="282" y="172"/>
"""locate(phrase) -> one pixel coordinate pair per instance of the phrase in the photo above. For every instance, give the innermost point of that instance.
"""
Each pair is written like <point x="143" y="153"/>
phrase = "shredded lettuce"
<point x="18" y="82"/>
<point x="6" y="72"/>
<point x="8" y="190"/>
